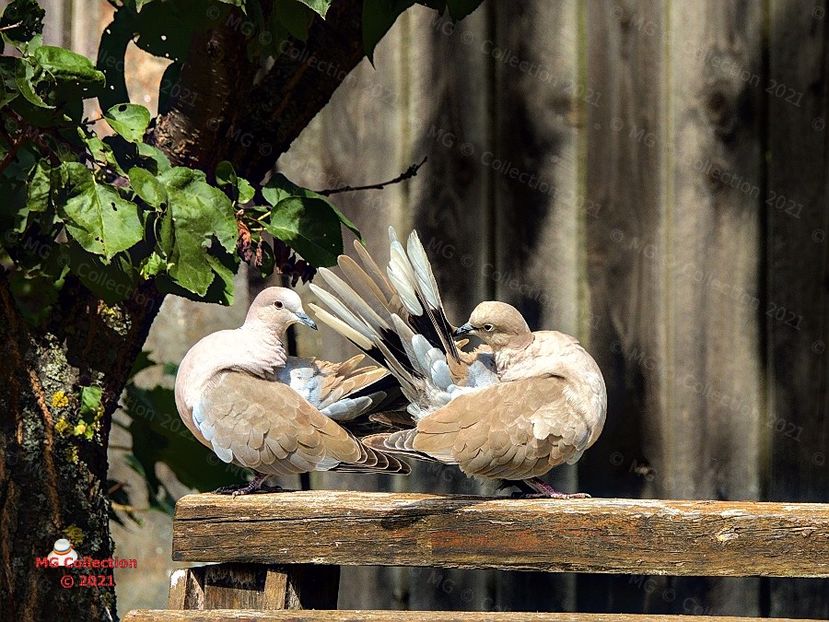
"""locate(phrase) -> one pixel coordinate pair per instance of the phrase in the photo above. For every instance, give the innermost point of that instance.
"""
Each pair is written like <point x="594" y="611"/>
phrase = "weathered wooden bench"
<point x="279" y="554"/>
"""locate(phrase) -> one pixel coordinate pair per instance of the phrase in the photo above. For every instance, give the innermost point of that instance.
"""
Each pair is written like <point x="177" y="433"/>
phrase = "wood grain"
<point x="449" y="112"/>
<point x="711" y="429"/>
<point x="796" y="308"/>
<point x="254" y="586"/>
<point x="416" y="616"/>
<point x="624" y="61"/>
<point x="538" y="264"/>
<point x="594" y="535"/>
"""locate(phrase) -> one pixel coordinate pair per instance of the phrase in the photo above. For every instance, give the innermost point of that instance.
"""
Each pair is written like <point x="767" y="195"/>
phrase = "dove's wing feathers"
<point x="342" y="391"/>
<point x="269" y="427"/>
<point x="400" y="322"/>
<point x="513" y="430"/>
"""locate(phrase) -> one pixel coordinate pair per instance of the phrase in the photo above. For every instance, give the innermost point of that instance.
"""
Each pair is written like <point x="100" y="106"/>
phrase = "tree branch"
<point x="300" y="83"/>
<point x="407" y="174"/>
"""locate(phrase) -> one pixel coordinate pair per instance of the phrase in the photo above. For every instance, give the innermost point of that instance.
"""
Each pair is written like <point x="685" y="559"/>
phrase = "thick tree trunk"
<point x="53" y="459"/>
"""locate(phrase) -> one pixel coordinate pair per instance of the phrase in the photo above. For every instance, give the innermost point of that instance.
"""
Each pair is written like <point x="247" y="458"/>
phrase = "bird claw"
<point x="256" y="486"/>
<point x="550" y="495"/>
<point x="538" y="489"/>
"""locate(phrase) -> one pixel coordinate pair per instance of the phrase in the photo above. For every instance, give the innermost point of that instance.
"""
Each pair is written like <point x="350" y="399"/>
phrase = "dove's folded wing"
<point x="512" y="431"/>
<point x="267" y="426"/>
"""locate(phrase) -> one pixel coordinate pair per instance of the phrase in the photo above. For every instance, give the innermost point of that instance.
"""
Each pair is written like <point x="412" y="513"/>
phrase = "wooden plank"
<point x="712" y="157"/>
<point x="623" y="63"/>
<point x="356" y="140"/>
<point x="796" y="307"/>
<point x="254" y="586"/>
<point x="448" y="117"/>
<point x="537" y="265"/>
<point x="186" y="589"/>
<point x="594" y="535"/>
<point x="416" y="616"/>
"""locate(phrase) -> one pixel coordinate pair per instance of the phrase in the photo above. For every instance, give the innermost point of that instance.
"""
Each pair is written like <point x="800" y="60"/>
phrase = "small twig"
<point x="10" y="26"/>
<point x="130" y="509"/>
<point x="116" y="486"/>
<point x="407" y="174"/>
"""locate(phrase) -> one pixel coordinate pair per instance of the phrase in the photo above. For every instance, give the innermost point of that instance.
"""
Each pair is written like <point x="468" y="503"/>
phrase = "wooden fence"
<point x="650" y="176"/>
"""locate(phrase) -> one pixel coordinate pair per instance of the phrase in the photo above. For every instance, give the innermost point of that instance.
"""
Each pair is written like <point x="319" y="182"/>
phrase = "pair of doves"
<point x="511" y="409"/>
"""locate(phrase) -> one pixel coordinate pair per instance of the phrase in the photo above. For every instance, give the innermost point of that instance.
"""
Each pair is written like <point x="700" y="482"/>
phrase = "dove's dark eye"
<point x="488" y="328"/>
<point x="278" y="304"/>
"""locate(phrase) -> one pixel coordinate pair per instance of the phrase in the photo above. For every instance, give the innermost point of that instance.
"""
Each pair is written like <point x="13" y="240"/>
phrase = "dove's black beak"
<point x="460" y="331"/>
<point x="305" y="319"/>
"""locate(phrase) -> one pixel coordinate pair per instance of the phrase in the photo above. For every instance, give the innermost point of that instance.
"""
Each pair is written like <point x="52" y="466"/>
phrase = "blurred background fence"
<point x="650" y="176"/>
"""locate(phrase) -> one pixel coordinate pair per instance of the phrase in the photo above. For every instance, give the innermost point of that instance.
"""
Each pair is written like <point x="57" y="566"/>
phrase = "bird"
<point x="241" y="395"/>
<point x="511" y="409"/>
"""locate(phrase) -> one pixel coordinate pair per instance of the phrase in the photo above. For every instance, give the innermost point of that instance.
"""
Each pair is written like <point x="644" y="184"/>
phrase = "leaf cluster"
<point x="95" y="199"/>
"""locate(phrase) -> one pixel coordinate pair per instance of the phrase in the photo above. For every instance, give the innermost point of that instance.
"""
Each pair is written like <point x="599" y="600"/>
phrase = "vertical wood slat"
<point x="711" y="427"/>
<point x="796" y="312"/>
<point x="624" y="63"/>
<point x="355" y="140"/>
<point x="450" y="120"/>
<point x="254" y="586"/>
<point x="538" y="207"/>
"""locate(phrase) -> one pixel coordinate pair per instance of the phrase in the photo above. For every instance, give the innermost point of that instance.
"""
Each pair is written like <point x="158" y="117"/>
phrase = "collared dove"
<point x="512" y="409"/>
<point x="241" y="395"/>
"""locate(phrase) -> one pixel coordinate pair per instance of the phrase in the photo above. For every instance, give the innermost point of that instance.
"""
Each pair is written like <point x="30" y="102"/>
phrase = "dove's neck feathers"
<point x="265" y="344"/>
<point x="545" y="353"/>
<point x="253" y="348"/>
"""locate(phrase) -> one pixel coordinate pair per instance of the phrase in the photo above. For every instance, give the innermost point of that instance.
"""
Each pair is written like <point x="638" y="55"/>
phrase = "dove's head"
<point x="277" y="308"/>
<point x="498" y="325"/>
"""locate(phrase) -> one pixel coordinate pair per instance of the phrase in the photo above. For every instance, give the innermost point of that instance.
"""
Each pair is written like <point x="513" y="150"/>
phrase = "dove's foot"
<point x="537" y="489"/>
<point x="256" y="486"/>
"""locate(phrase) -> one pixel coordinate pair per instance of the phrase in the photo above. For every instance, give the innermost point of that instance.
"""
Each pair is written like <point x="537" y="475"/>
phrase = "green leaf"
<point x="160" y="161"/>
<point x="99" y="218"/>
<point x="318" y="6"/>
<point x="199" y="213"/>
<point x="90" y="402"/>
<point x="153" y="265"/>
<point x="378" y="17"/>
<point x="226" y="177"/>
<point x="280" y="187"/>
<point x="40" y="186"/>
<point x="458" y="9"/>
<point x="147" y="187"/>
<point x="22" y="20"/>
<point x="112" y="282"/>
<point x="34" y="296"/>
<point x="129" y="120"/>
<point x="309" y="226"/>
<point x="68" y="67"/>
<point x="26" y="78"/>
<point x="225" y="265"/>
<point x="294" y="17"/>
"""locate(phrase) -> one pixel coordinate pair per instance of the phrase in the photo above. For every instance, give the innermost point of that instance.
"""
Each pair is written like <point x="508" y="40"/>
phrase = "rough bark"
<point x="52" y="478"/>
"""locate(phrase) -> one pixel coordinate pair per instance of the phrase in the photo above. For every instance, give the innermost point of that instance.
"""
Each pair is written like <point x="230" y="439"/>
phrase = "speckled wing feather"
<point x="268" y="427"/>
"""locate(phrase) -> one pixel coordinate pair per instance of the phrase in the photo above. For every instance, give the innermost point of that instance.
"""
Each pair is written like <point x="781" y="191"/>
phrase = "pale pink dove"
<point x="241" y="395"/>
<point x="512" y="409"/>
